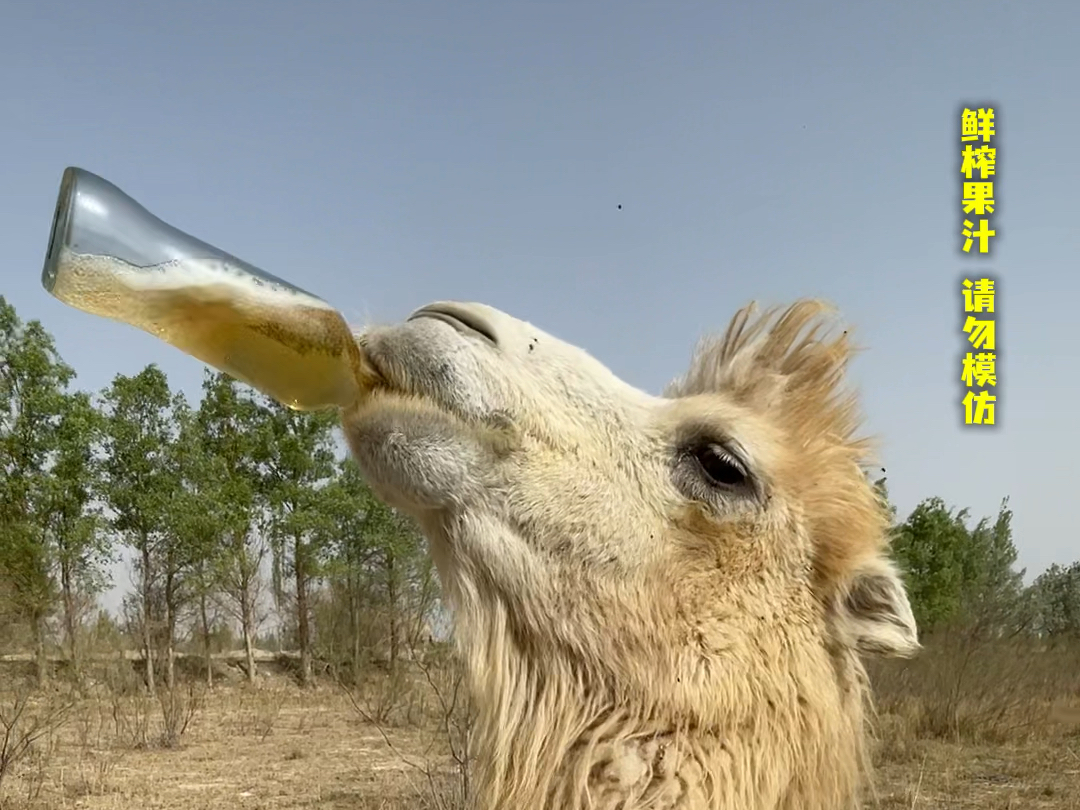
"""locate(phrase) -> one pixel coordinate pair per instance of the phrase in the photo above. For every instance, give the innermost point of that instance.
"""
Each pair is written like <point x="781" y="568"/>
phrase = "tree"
<point x="352" y="518"/>
<point x="74" y="521"/>
<point x="1055" y="598"/>
<point x="32" y="594"/>
<point x="930" y="546"/>
<point x="33" y="379"/>
<point x="183" y="541"/>
<point x="295" y="451"/>
<point x="957" y="575"/>
<point x="994" y="589"/>
<point x="381" y="580"/>
<point x="229" y="420"/>
<point x="196" y="516"/>
<point x="139" y="481"/>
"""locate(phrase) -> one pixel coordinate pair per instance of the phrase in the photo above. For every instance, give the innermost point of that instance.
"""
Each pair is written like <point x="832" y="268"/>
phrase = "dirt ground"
<point x="991" y="777"/>
<point x="280" y="747"/>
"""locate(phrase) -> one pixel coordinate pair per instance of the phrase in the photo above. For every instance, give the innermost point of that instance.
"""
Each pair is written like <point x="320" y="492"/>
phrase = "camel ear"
<point x="874" y="615"/>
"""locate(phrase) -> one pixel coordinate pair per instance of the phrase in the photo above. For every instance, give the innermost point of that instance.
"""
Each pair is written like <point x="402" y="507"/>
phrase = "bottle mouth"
<point x="58" y="235"/>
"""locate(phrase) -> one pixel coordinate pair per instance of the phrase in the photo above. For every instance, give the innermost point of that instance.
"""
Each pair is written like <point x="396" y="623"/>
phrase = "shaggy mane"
<point x="789" y="365"/>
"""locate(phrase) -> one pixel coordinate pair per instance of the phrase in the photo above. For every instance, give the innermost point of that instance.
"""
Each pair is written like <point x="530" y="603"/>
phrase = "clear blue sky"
<point x="384" y="155"/>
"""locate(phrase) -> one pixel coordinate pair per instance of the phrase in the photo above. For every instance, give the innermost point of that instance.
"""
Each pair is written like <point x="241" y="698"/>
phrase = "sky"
<point x="386" y="155"/>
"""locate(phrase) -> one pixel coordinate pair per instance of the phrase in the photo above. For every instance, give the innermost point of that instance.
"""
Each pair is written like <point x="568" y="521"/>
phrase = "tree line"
<point x="229" y="510"/>
<point x="962" y="575"/>
<point x="239" y="508"/>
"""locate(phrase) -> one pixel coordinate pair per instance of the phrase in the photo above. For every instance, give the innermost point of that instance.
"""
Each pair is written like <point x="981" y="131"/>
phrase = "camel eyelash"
<point x="719" y="465"/>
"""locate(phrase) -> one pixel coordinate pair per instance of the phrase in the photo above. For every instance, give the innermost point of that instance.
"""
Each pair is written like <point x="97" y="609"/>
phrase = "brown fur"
<point x="787" y="368"/>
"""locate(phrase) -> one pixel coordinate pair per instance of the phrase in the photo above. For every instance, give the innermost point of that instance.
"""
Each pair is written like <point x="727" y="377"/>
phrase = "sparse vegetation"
<point x="1010" y="740"/>
<point x="26" y="724"/>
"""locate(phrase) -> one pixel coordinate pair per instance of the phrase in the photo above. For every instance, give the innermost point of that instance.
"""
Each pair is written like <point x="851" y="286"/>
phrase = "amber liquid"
<point x="291" y="346"/>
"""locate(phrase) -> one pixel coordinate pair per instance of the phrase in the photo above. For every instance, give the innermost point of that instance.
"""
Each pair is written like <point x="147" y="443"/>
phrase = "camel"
<point x="660" y="601"/>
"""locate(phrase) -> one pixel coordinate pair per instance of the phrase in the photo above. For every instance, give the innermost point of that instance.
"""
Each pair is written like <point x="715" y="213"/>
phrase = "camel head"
<point x="644" y="585"/>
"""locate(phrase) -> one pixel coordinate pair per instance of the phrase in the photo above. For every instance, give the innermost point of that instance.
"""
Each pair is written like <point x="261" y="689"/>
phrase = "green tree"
<point x="931" y="547"/>
<point x="956" y="575"/>
<point x="183" y="542"/>
<point x="381" y="580"/>
<point x="196" y="518"/>
<point x="140" y="482"/>
<point x="33" y="379"/>
<point x="230" y="419"/>
<point x="74" y="522"/>
<point x="994" y="589"/>
<point x="296" y="455"/>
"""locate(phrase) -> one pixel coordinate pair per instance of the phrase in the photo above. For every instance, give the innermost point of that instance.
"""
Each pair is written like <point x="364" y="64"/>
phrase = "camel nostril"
<point x="462" y="317"/>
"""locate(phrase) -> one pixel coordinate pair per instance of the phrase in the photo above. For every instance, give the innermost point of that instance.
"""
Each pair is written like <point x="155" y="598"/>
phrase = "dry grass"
<point x="976" y="724"/>
<point x="268" y="747"/>
<point x="987" y="728"/>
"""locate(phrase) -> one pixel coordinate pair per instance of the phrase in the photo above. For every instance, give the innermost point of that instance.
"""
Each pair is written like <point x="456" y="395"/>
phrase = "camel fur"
<point x="661" y="601"/>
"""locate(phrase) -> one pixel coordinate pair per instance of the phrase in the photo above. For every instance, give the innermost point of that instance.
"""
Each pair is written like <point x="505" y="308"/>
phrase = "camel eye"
<point x="711" y="470"/>
<point x="719" y="466"/>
